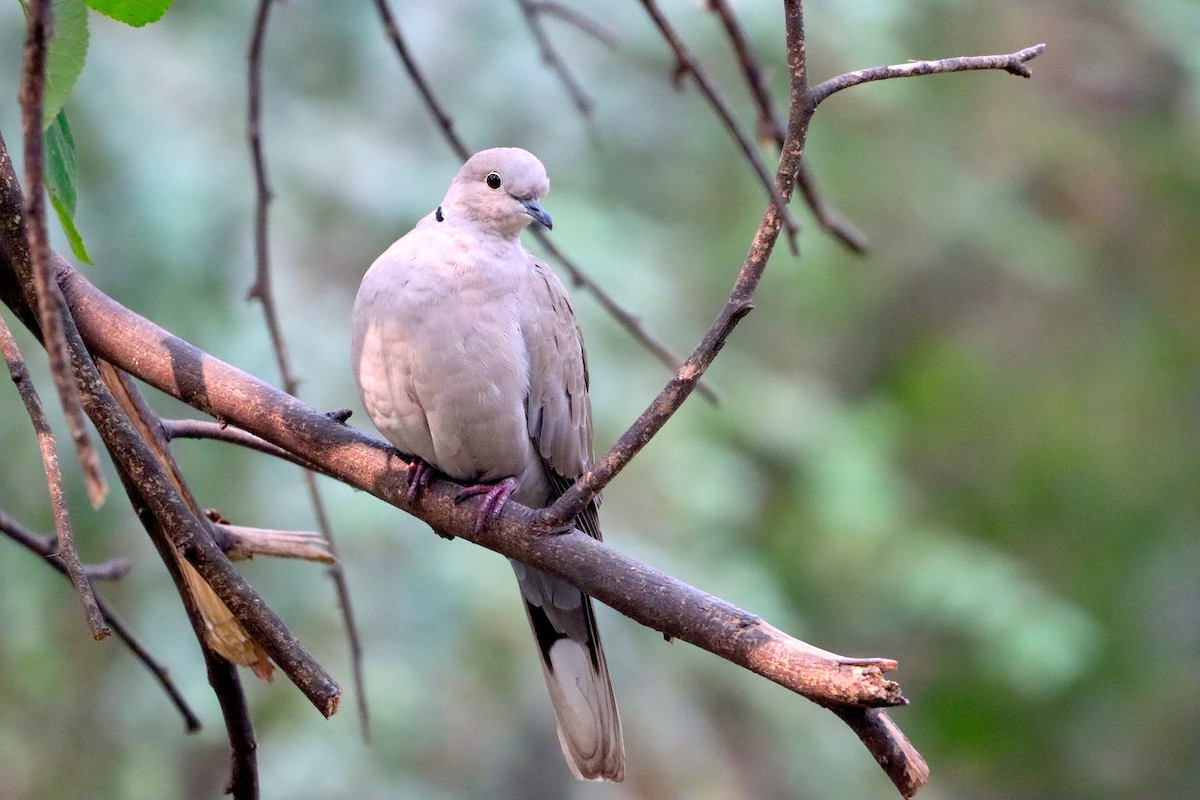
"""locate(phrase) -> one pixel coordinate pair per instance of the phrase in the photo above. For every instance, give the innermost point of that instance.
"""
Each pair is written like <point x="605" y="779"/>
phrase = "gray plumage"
<point x="468" y="356"/>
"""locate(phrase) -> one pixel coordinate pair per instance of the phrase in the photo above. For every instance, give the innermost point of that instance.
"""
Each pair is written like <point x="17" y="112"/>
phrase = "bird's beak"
<point x="537" y="212"/>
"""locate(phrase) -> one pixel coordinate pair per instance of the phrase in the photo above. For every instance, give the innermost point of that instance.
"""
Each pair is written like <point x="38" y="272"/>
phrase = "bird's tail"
<point x="564" y="625"/>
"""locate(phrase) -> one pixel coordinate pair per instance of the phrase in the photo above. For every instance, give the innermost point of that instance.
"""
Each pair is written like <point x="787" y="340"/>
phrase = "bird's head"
<point x="499" y="190"/>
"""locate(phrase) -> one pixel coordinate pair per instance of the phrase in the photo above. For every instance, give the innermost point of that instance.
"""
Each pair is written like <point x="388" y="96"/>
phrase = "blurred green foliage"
<point x="974" y="450"/>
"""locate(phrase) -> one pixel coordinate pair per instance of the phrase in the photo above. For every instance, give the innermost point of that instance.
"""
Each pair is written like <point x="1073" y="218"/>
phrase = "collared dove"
<point x="469" y="359"/>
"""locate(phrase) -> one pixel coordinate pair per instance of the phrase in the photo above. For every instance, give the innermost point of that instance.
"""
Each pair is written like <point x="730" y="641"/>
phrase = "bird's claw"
<point x="495" y="499"/>
<point x="419" y="474"/>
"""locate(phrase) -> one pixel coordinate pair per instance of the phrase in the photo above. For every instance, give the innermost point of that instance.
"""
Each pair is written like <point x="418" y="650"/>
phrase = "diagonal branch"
<point x="65" y="546"/>
<point x="626" y="319"/>
<point x="440" y="116"/>
<point x="262" y="291"/>
<point x="222" y="675"/>
<point x="33" y="76"/>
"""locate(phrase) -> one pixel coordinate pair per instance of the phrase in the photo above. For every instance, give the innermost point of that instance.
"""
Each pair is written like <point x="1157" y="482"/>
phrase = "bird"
<point x="469" y="360"/>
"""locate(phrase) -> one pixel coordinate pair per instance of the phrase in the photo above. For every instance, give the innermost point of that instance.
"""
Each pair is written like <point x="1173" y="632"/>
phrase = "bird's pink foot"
<point x="496" y="497"/>
<point x="419" y="474"/>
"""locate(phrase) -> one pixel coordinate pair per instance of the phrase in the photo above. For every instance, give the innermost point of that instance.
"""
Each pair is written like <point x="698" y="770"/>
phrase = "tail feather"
<point x="572" y="658"/>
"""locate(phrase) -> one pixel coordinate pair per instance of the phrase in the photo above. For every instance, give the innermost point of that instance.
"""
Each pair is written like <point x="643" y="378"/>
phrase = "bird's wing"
<point x="557" y="407"/>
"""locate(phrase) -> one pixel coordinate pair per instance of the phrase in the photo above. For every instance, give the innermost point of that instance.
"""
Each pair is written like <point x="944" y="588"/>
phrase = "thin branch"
<point x="114" y="569"/>
<point x="1013" y="63"/>
<point x="440" y="116"/>
<point x="829" y="218"/>
<point x="687" y="64"/>
<point x="771" y="129"/>
<point x="575" y="19"/>
<point x="626" y="319"/>
<point x="891" y="748"/>
<point x="44" y="546"/>
<point x="262" y="291"/>
<point x="681" y="385"/>
<point x="239" y="541"/>
<point x="531" y="11"/>
<point x="65" y="547"/>
<point x="48" y="309"/>
<point x="215" y="431"/>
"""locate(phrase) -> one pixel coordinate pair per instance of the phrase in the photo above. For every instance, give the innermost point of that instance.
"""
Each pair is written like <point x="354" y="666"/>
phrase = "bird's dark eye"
<point x="493" y="180"/>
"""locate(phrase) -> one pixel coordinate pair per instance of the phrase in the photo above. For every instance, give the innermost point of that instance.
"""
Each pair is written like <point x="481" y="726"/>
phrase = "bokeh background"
<point x="974" y="450"/>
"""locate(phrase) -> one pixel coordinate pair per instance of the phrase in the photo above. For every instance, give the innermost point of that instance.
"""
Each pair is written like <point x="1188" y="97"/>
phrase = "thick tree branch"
<point x="45" y="547"/>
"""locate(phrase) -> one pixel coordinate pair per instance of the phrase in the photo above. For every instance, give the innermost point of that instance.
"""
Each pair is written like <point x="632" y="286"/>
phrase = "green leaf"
<point x="61" y="168"/>
<point x="64" y="61"/>
<point x="61" y="165"/>
<point x="70" y="230"/>
<point x="132" y="12"/>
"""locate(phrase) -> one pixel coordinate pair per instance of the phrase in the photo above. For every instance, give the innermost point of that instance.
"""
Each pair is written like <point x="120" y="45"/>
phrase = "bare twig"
<point x="207" y="429"/>
<point x="47" y="308"/>
<point x="261" y="290"/>
<point x="626" y="319"/>
<point x="1012" y="63"/>
<point x="239" y="541"/>
<point x="432" y="105"/>
<point x="45" y="547"/>
<point x="576" y="19"/>
<point x="829" y="218"/>
<point x="771" y="129"/>
<point x="66" y="552"/>
<point x="687" y="64"/>
<point x="550" y="57"/>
